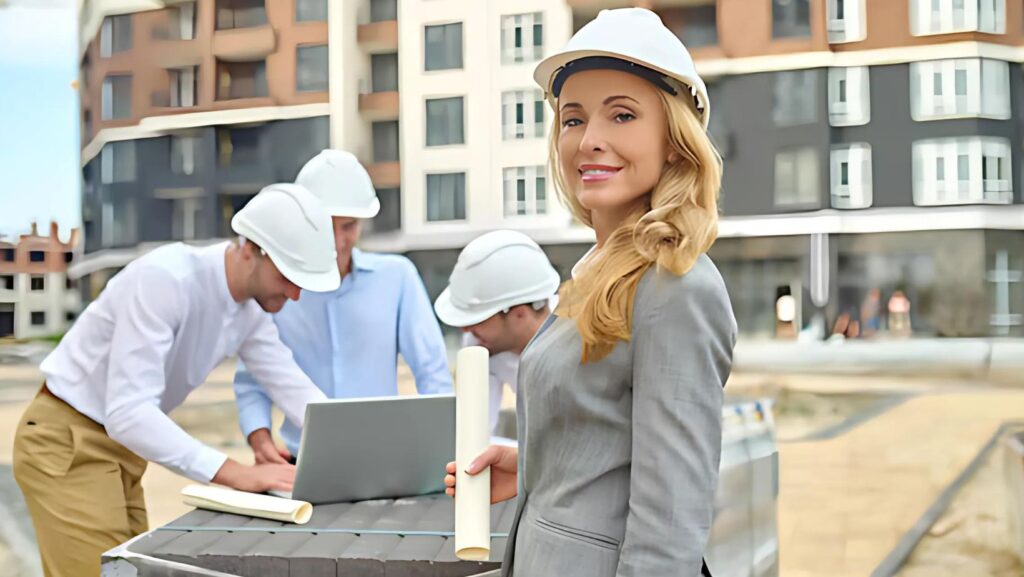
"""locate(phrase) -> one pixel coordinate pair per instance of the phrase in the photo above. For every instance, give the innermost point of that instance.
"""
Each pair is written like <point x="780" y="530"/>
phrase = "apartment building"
<point x="868" y="144"/>
<point x="37" y="298"/>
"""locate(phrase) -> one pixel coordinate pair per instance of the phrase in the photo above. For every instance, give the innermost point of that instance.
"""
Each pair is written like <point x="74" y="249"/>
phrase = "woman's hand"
<point x="504" y="465"/>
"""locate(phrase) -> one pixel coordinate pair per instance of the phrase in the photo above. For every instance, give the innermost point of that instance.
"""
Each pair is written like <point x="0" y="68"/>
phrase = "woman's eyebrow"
<point x="614" y="98"/>
<point x="573" y="105"/>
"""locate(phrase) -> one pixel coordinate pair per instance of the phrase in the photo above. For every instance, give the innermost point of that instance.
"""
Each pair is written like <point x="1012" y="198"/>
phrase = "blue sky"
<point x="38" y="115"/>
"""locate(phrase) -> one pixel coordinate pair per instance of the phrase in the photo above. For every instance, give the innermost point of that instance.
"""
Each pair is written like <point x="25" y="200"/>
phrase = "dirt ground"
<point x="972" y="538"/>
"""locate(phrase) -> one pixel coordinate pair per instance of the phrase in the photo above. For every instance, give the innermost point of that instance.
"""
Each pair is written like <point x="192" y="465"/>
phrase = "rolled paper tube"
<point x="251" y="504"/>
<point x="472" y="493"/>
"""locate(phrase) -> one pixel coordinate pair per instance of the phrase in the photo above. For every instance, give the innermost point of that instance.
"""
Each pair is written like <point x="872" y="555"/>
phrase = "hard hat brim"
<point x="318" y="282"/>
<point x="544" y="74"/>
<point x="357" y="212"/>
<point x="456" y="317"/>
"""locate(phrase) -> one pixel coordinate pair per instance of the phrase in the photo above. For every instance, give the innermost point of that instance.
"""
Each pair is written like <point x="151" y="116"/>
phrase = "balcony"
<point x="244" y="44"/>
<point x="377" y="37"/>
<point x="385" y="174"/>
<point x="379" y="105"/>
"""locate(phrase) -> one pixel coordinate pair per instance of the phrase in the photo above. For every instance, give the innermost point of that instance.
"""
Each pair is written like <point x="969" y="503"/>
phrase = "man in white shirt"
<point x="153" y="335"/>
<point x="500" y="293"/>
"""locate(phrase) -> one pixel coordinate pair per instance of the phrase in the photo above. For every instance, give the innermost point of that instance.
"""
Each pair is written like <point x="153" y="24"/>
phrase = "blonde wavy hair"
<point x="677" y="222"/>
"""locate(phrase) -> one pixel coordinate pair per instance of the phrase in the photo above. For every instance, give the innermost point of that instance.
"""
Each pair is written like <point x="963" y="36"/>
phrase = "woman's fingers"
<point x="450" y="468"/>
<point x="449" y="480"/>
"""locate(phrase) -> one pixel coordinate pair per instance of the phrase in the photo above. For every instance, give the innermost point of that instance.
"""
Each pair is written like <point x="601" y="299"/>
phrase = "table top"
<point x="411" y="537"/>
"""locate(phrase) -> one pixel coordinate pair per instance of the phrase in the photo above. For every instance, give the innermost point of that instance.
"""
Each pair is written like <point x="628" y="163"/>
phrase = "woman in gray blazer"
<point x="620" y="393"/>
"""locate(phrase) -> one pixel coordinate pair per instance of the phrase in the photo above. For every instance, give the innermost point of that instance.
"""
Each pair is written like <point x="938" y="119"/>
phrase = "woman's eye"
<point x="624" y="117"/>
<point x="568" y="123"/>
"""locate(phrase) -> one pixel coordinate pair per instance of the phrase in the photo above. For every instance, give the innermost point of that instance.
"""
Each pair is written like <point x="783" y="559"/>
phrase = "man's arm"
<point x="419" y="336"/>
<point x="273" y="366"/>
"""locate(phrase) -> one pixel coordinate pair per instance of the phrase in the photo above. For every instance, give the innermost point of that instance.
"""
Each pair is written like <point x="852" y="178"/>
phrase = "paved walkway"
<point x="844" y="503"/>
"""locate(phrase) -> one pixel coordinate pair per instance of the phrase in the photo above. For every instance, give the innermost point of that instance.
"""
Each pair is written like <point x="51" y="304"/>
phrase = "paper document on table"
<point x="472" y="433"/>
<point x="251" y="504"/>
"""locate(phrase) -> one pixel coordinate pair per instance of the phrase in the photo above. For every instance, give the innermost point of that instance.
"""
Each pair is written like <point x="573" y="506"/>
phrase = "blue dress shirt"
<point x="348" y="340"/>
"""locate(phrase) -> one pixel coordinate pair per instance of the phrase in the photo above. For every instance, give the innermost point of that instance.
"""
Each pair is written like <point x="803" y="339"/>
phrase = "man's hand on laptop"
<point x="256" y="478"/>
<point x="264" y="449"/>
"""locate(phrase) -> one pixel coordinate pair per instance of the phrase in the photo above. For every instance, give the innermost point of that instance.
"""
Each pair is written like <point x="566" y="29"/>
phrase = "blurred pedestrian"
<point x="899" y="315"/>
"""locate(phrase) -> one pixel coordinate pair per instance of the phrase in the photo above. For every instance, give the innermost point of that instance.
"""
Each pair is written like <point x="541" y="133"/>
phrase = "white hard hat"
<point x="633" y="40"/>
<point x="341" y="183"/>
<point x="292" y="227"/>
<point x="494" y="273"/>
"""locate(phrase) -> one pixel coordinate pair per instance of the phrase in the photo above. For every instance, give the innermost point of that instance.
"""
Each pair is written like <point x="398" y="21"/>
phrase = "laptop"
<point x="374" y="448"/>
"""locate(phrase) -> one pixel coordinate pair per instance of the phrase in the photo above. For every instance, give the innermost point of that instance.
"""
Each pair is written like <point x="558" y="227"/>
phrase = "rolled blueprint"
<point x="251" y="504"/>
<point x="472" y="433"/>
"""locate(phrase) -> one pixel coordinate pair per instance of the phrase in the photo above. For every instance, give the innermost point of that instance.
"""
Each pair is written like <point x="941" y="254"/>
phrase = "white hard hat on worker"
<point x="290" y="227"/>
<point x="494" y="273"/>
<point x="633" y="40"/>
<point x="341" y="183"/>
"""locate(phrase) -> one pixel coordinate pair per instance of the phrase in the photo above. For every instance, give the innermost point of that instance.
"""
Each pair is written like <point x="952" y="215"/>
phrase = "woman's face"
<point x="613" y="143"/>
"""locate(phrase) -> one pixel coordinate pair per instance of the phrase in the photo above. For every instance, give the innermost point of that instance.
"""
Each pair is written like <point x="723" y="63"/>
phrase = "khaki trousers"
<point x="83" y="489"/>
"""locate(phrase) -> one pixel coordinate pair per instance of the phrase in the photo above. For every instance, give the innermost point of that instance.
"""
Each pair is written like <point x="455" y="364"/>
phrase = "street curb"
<point x="899" y="555"/>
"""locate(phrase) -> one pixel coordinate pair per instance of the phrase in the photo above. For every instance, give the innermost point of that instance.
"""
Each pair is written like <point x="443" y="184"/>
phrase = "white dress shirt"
<point x="155" y="333"/>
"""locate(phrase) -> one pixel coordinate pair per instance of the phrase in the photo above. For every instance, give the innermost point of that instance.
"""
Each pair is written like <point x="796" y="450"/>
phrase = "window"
<point x="443" y="47"/>
<point x="390" y="216"/>
<point x="233" y="14"/>
<point x="117" y="97"/>
<point x="446" y="196"/>
<point x="385" y="141"/>
<point x="68" y="257"/>
<point x="230" y="204"/>
<point x="962" y="87"/>
<point x="383" y="10"/>
<point x="9" y="254"/>
<point x="7" y="282"/>
<point x="117" y="162"/>
<point x="183" y="154"/>
<point x="444" y="121"/>
<point x="115" y="35"/>
<point x="851" y="176"/>
<point x="849" y="96"/>
<point x="796" y="178"/>
<point x="37" y="256"/>
<point x="525" y="191"/>
<point x="38" y="283"/>
<point x="241" y="80"/>
<point x="846" y="21"/>
<point x="522" y="114"/>
<point x="38" y="318"/>
<point x="310" y="10"/>
<point x="184" y="87"/>
<point x="796" y="97"/>
<point x="69" y="316"/>
<point x="119" y="223"/>
<point x="385" y="72"/>
<point x="185" y="18"/>
<point x="185" y="222"/>
<point x="522" y="38"/>
<point x="311" y="68"/>
<point x="947" y="16"/>
<point x="695" y="25"/>
<point x="239" y="146"/>
<point x="791" y="18"/>
<point x="970" y="170"/>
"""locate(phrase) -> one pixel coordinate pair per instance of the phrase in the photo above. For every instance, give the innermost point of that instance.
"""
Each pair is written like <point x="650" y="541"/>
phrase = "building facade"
<point x="872" y="148"/>
<point x="37" y="298"/>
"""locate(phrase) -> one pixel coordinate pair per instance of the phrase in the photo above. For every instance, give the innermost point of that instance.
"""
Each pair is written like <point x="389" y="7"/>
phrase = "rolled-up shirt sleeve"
<point x="419" y="337"/>
<point x="254" y="406"/>
<point x="142" y="338"/>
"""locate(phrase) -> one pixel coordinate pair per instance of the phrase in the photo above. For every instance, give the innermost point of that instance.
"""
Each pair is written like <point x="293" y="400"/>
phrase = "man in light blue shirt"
<point x="347" y="341"/>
